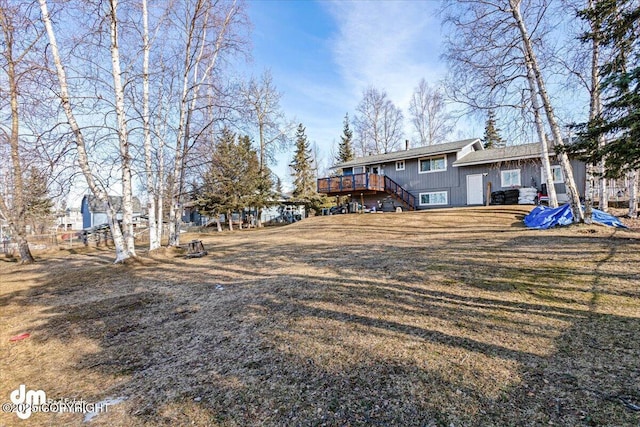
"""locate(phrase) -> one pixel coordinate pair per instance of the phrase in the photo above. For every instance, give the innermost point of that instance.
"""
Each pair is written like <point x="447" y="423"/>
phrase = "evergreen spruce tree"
<point x="38" y="204"/>
<point x="492" y="138"/>
<point x="278" y="186"/>
<point x="304" y="177"/>
<point x="233" y="179"/>
<point x="345" y="147"/>
<point x="617" y="29"/>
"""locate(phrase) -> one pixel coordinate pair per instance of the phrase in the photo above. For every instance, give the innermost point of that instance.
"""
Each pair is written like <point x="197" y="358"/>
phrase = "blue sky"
<point x="323" y="54"/>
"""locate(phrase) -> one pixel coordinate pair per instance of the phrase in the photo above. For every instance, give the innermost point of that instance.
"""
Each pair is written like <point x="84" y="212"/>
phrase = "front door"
<point x="474" y="189"/>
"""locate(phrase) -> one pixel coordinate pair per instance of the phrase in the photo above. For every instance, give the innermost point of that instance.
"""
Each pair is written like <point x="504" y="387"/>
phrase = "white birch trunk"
<point x="544" y="156"/>
<point x="154" y="243"/>
<point x="15" y="213"/>
<point x="589" y="193"/>
<point x="633" y="193"/>
<point x="192" y="83"/>
<point x="603" y="187"/>
<point x="175" y="190"/>
<point x="570" y="184"/>
<point x="123" y="135"/>
<point x="160" y="192"/>
<point x="83" y="160"/>
<point x="594" y="111"/>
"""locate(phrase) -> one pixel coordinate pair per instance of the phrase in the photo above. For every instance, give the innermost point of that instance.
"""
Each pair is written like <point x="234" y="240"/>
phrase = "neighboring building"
<point x="70" y="219"/>
<point x="443" y="175"/>
<point x="279" y="210"/>
<point x="94" y="213"/>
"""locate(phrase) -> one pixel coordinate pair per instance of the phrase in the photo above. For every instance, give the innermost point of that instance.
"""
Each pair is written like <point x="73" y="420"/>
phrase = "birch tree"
<point x="13" y="206"/>
<point x="544" y="143"/>
<point x="209" y="30"/>
<point x="263" y="114"/>
<point x="595" y="105"/>
<point x="154" y="131"/>
<point x="541" y="90"/>
<point x="428" y="114"/>
<point x="155" y="239"/>
<point x="497" y="51"/>
<point x="63" y="95"/>
<point x="378" y="123"/>
<point x="123" y="134"/>
<point x="489" y="71"/>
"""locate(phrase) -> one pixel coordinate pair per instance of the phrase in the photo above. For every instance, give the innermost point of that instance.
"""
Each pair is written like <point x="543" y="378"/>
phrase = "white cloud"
<point x="388" y="44"/>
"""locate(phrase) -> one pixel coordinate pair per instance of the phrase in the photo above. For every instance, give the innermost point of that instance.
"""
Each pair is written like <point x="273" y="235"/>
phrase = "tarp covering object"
<point x="544" y="217"/>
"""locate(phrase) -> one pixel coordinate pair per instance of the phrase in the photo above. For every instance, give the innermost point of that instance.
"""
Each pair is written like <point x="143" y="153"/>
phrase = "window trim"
<point x="502" y="180"/>
<point x="443" y="156"/>
<point x="553" y="167"/>
<point x="446" y="198"/>
<point x="398" y="162"/>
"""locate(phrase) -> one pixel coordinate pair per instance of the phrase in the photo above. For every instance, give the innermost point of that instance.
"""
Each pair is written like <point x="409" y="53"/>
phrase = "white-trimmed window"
<point x="432" y="164"/>
<point x="435" y="198"/>
<point x="400" y="165"/>
<point x="558" y="177"/>
<point x="510" y="178"/>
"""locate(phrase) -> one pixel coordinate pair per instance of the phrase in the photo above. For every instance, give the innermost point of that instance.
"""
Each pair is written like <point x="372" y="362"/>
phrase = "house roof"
<point x="495" y="155"/>
<point x="116" y="201"/>
<point x="412" y="153"/>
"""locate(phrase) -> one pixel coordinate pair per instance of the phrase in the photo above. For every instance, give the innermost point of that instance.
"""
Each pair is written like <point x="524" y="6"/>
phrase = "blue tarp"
<point x="544" y="217"/>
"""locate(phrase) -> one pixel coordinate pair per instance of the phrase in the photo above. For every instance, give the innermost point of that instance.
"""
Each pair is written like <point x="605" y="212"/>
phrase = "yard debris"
<point x="196" y="249"/>
<point x="626" y="401"/>
<point x="19" y="337"/>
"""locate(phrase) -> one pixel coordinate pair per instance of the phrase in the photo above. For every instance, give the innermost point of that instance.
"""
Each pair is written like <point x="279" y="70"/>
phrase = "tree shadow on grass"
<point x="367" y="345"/>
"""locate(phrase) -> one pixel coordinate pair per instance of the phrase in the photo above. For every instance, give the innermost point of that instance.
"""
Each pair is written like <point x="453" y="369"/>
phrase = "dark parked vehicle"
<point x="340" y="209"/>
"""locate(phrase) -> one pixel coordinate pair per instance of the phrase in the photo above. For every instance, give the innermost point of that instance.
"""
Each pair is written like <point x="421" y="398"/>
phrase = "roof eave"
<point x="506" y="159"/>
<point x="402" y="155"/>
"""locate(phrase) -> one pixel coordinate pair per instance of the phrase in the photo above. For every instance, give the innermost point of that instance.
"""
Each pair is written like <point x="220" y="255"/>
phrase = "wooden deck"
<point x="345" y="184"/>
<point x="365" y="183"/>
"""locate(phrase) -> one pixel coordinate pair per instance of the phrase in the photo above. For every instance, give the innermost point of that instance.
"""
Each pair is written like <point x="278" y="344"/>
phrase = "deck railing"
<point x="355" y="182"/>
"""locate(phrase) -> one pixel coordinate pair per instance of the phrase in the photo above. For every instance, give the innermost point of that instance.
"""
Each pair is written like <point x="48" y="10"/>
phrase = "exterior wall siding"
<point x="530" y="175"/>
<point x="453" y="180"/>
<point x="416" y="183"/>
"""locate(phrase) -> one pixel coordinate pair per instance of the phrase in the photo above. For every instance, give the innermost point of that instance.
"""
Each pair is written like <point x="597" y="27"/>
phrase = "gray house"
<point x="94" y="213"/>
<point x="459" y="173"/>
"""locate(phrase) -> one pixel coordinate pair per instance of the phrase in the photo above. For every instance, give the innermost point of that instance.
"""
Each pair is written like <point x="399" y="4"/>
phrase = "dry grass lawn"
<point x="442" y="318"/>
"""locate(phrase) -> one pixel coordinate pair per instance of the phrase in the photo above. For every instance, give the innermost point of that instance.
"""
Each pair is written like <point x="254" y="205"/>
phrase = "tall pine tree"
<point x="616" y="23"/>
<point x="304" y="177"/>
<point x="38" y="204"/>
<point x="232" y="181"/>
<point x="345" y="147"/>
<point x="492" y="138"/>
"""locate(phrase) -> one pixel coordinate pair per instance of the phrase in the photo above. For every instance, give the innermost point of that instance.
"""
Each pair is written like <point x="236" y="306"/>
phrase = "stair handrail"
<point x="404" y="195"/>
